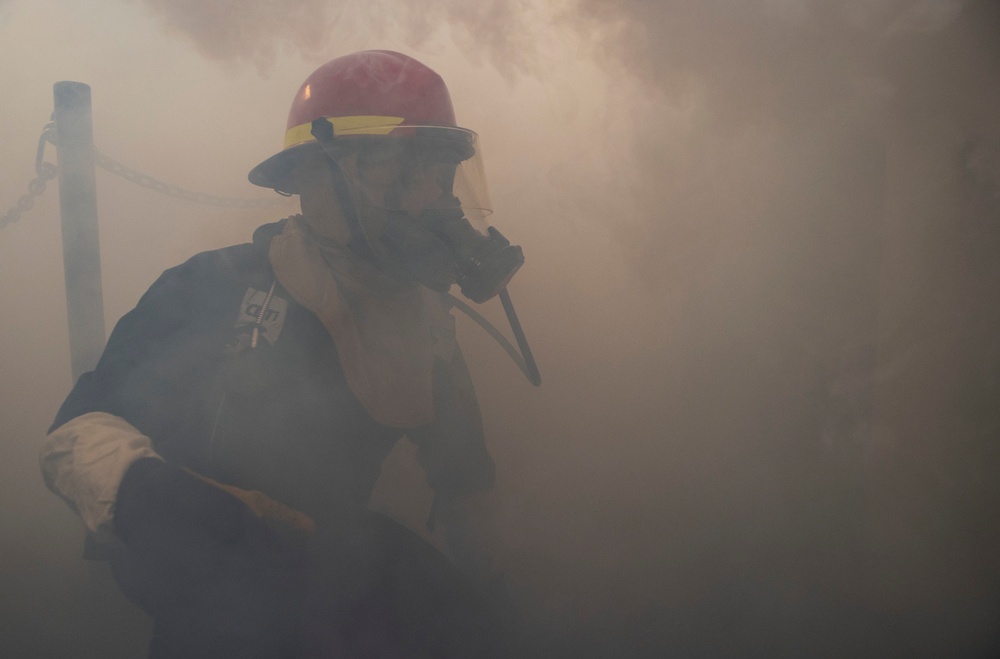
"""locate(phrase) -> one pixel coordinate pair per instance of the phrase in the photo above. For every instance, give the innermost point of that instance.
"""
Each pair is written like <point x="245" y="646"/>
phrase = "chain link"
<point x="44" y="172"/>
<point x="147" y="181"/>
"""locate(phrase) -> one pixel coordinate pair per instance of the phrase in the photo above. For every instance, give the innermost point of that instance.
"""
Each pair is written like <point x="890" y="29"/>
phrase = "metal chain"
<point x="147" y="181"/>
<point x="44" y="172"/>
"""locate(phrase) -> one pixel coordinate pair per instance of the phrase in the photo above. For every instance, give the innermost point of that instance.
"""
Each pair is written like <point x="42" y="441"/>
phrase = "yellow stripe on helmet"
<point x="359" y="125"/>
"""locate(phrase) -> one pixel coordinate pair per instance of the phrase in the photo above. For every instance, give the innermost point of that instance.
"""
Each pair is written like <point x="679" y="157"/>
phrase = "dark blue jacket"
<point x="279" y="418"/>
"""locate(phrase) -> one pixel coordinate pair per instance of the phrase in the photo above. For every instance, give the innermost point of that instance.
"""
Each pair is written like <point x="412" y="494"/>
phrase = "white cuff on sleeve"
<point x="84" y="460"/>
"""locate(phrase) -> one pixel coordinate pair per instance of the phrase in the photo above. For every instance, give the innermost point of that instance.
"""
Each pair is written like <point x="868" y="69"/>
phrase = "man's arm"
<point x="452" y="449"/>
<point x="84" y="460"/>
<point x="453" y="454"/>
<point x="132" y="407"/>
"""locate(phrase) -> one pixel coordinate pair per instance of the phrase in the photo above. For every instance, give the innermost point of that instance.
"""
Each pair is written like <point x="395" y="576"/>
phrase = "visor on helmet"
<point x="390" y="157"/>
<point x="418" y="169"/>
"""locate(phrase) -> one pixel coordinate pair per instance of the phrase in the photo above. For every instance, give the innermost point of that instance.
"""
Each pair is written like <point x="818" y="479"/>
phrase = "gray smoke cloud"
<point x="745" y="73"/>
<point x="819" y="224"/>
<point x="761" y="242"/>
<point x="246" y="32"/>
<point x="236" y="32"/>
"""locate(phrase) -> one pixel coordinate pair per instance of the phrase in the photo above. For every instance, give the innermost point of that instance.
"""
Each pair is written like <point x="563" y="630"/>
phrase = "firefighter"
<point x="223" y="451"/>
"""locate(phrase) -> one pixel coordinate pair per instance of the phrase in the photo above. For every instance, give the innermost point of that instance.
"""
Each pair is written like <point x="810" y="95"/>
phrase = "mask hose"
<point x="524" y="359"/>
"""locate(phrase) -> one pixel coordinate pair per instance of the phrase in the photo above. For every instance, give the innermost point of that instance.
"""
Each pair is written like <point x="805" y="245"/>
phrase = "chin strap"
<point x="524" y="359"/>
<point x="322" y="130"/>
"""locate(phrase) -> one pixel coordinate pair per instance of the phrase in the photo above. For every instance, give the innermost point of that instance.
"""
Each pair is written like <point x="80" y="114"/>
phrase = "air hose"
<point x="523" y="358"/>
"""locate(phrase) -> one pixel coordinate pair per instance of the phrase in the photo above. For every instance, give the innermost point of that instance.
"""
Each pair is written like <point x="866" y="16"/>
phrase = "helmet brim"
<point x="276" y="171"/>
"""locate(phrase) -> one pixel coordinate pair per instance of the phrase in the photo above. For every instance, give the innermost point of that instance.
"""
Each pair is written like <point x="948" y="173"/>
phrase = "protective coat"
<point x="279" y="417"/>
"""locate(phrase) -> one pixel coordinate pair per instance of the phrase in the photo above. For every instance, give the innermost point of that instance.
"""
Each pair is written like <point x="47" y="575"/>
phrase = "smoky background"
<point x="762" y="251"/>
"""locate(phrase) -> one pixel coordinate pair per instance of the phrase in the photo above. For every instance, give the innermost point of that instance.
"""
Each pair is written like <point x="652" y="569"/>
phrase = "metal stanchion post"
<point x="78" y="208"/>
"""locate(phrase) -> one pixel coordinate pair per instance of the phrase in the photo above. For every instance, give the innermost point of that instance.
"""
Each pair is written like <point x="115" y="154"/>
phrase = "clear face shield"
<point x="422" y="192"/>
<point x="417" y="169"/>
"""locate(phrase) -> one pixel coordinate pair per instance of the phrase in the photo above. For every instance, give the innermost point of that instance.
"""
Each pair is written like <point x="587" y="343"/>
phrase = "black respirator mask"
<point x="436" y="247"/>
<point x="441" y="248"/>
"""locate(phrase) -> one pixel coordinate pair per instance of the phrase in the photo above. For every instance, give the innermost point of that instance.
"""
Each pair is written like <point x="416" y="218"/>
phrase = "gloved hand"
<point x="196" y="553"/>
<point x="157" y="495"/>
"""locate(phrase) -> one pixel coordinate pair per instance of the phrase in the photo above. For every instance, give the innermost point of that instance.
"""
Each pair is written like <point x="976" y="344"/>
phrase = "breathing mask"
<point x="411" y="200"/>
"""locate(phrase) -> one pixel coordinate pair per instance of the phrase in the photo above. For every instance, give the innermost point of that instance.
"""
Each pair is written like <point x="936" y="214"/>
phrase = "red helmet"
<point x="371" y="93"/>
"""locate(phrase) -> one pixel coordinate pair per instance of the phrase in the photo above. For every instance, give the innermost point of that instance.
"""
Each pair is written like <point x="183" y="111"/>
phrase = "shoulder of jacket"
<point x="245" y="263"/>
<point x="236" y="263"/>
<point x="207" y="275"/>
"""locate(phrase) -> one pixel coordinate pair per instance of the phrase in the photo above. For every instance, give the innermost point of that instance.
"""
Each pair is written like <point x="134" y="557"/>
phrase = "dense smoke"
<point x="236" y="32"/>
<point x="762" y="261"/>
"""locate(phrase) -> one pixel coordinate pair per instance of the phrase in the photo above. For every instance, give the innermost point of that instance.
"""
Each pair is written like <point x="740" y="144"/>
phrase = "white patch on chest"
<point x="273" y="318"/>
